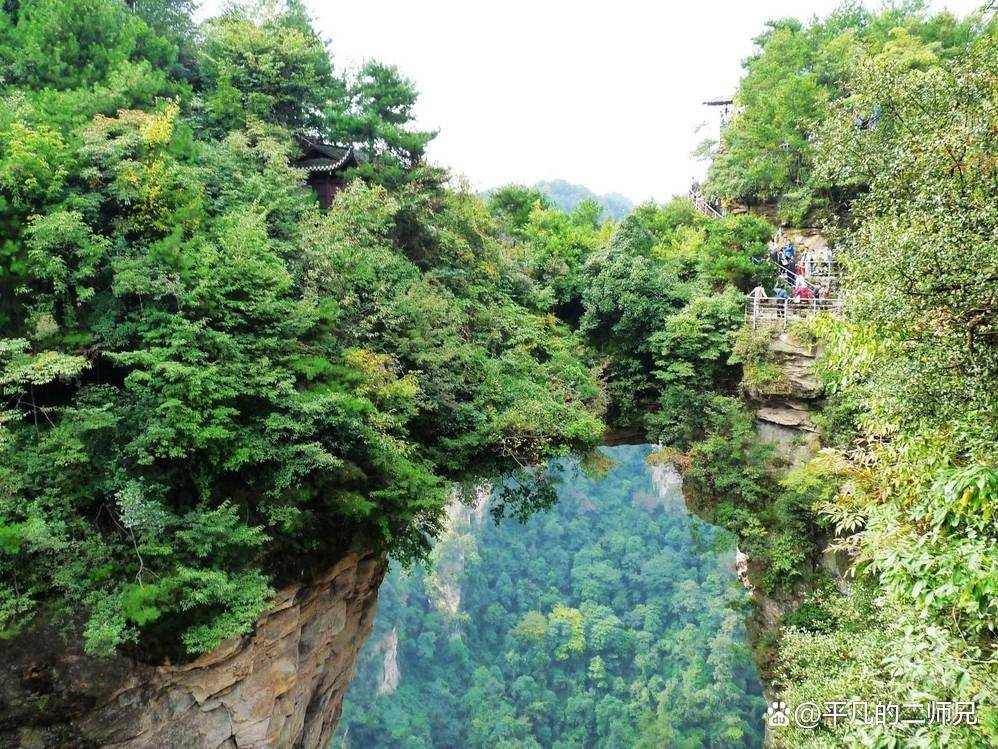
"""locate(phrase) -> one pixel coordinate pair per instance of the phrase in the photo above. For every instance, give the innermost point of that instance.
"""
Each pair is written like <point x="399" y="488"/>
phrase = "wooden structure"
<point x="326" y="166"/>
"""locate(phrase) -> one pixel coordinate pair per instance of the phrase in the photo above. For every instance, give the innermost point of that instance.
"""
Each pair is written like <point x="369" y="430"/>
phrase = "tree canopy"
<point x="613" y="620"/>
<point x="210" y="386"/>
<point x="889" y="119"/>
<point x="766" y="153"/>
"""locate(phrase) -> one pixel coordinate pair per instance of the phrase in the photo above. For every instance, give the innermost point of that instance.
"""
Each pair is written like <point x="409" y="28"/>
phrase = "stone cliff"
<point x="454" y="548"/>
<point x="783" y="406"/>
<point x="281" y="686"/>
<point x="388" y="649"/>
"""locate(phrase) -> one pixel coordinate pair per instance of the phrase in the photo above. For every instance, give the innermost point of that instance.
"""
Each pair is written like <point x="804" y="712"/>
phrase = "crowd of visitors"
<point x="803" y="275"/>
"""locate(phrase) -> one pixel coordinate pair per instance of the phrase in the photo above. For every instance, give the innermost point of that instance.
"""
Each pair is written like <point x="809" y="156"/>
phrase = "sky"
<point x="605" y="94"/>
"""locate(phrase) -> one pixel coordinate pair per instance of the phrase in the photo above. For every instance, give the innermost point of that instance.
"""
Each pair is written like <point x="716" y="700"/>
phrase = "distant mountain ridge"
<point x="567" y="195"/>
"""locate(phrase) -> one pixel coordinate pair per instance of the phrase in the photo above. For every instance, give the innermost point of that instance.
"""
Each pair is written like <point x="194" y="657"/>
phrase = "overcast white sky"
<point x="606" y="94"/>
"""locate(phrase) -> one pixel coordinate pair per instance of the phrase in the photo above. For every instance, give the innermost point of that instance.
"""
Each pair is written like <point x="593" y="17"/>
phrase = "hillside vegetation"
<point x="897" y="168"/>
<point x="568" y="197"/>
<point x="210" y="387"/>
<point x="614" y="620"/>
<point x="891" y="121"/>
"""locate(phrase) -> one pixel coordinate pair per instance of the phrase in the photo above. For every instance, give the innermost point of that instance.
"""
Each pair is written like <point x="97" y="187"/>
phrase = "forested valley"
<point x="614" y="620"/>
<point x="213" y="386"/>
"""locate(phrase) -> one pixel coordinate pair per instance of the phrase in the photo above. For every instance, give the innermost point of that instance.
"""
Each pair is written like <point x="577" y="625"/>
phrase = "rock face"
<point x="388" y="680"/>
<point x="281" y="686"/>
<point x="783" y="407"/>
<point x="668" y="482"/>
<point x="783" y="410"/>
<point x="453" y="549"/>
<point x="796" y="360"/>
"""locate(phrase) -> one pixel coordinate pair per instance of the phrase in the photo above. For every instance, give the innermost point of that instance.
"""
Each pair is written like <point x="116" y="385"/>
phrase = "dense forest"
<point x="878" y="129"/>
<point x="881" y="128"/>
<point x="566" y="197"/>
<point x="614" y="620"/>
<point x="209" y="386"/>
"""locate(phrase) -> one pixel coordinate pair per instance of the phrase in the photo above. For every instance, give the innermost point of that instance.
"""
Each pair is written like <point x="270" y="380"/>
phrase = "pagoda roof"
<point x="719" y="101"/>
<point x="325" y="157"/>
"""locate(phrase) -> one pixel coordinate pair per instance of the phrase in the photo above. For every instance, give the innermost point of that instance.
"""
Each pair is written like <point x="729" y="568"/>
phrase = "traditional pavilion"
<point x="725" y="103"/>
<point x="326" y="166"/>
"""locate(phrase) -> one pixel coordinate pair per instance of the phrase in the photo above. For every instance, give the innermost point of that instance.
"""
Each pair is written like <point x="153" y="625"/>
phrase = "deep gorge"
<point x="255" y="341"/>
<point x="615" y="595"/>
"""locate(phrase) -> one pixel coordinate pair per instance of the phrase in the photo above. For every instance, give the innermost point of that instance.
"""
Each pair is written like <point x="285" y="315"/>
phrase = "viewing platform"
<point x="776" y="312"/>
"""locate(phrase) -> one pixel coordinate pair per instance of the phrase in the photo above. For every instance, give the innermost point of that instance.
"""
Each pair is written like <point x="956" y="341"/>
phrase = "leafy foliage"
<point x="209" y="387"/>
<point x="800" y="72"/>
<point x="568" y="197"/>
<point x="909" y="484"/>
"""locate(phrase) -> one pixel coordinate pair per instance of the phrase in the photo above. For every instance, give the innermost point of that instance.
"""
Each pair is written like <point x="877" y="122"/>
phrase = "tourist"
<point x="803" y="292"/>
<point x="808" y="260"/>
<point x="783" y="298"/>
<point x="826" y="260"/>
<point x="758" y="293"/>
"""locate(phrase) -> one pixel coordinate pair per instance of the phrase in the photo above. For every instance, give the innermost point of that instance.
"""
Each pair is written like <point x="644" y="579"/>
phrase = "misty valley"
<point x="612" y="619"/>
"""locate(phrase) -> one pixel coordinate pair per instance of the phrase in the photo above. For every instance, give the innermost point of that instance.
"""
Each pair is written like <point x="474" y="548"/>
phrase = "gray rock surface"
<point x="798" y="380"/>
<point x="281" y="686"/>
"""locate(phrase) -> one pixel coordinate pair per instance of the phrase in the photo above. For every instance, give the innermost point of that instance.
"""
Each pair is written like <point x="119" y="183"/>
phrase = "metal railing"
<point x="701" y="204"/>
<point x="775" y="311"/>
<point x="827" y="274"/>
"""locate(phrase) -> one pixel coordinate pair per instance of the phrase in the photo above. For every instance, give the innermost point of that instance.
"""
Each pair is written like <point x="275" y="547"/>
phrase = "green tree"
<point x="208" y="385"/>
<point x="273" y="68"/>
<point x="377" y="113"/>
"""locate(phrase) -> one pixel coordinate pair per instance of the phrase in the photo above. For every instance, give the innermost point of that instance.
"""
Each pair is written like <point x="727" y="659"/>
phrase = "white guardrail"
<point x="701" y="204"/>
<point x="776" y="311"/>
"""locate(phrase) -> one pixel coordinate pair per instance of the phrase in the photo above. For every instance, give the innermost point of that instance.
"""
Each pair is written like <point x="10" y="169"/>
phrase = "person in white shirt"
<point x="809" y="262"/>
<point x="826" y="260"/>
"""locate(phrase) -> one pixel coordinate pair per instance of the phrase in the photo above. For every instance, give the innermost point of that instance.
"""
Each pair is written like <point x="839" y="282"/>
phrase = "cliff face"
<point x="388" y="649"/>
<point x="454" y="548"/>
<point x="281" y="686"/>
<point x="783" y="406"/>
<point x="783" y="410"/>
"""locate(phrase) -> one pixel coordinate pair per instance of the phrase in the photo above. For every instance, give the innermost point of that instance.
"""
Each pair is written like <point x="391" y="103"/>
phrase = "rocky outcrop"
<point x="668" y="483"/>
<point x="783" y="406"/>
<point x="454" y="548"/>
<point x="805" y="238"/>
<point x="388" y="648"/>
<point x="795" y="360"/>
<point x="281" y="686"/>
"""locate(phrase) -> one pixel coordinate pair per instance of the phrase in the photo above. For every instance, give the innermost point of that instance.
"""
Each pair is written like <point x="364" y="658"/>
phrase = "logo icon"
<point x="777" y="714"/>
